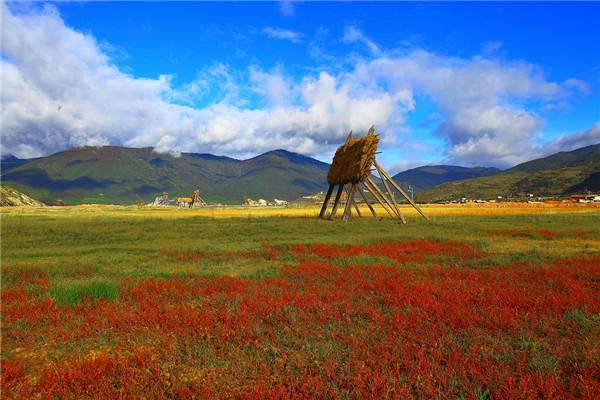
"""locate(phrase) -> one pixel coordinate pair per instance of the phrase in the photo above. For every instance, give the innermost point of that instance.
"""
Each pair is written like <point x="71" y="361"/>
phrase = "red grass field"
<point x="399" y="319"/>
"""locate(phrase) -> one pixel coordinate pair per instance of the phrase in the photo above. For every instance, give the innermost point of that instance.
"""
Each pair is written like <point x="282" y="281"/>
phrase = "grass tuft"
<point x="72" y="292"/>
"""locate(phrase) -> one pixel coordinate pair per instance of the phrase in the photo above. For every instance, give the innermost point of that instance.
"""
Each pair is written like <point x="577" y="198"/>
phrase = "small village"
<point x="195" y="201"/>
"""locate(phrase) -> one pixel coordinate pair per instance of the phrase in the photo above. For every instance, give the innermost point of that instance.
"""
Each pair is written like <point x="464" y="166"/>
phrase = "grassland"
<point x="479" y="302"/>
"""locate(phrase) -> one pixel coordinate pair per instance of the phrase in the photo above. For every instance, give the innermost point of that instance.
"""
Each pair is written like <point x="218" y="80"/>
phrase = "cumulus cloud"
<point x="274" y="86"/>
<point x="284" y="34"/>
<point x="478" y="99"/>
<point x="61" y="90"/>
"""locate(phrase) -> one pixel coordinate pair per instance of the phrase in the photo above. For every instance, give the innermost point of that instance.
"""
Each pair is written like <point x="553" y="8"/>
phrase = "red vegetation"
<point x="320" y="330"/>
<point x="412" y="251"/>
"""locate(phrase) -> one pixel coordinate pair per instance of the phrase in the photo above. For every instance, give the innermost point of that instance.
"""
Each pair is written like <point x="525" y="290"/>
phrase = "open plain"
<point x="483" y="301"/>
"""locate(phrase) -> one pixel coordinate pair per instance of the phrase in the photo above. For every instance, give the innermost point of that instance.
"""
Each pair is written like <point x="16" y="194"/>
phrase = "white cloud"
<point x="273" y="86"/>
<point x="575" y="140"/>
<point x="558" y="106"/>
<point x="165" y="145"/>
<point x="353" y="34"/>
<point x="284" y="34"/>
<point x="60" y="90"/>
<point x="478" y="98"/>
<point x="216" y="83"/>
<point x="577" y="84"/>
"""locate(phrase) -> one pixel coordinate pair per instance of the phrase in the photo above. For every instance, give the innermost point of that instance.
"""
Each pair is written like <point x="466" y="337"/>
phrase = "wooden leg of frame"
<point x="327" y="197"/>
<point x="354" y="202"/>
<point x="385" y="199"/>
<point x="379" y="199"/>
<point x="336" y="202"/>
<point x="349" y="203"/>
<point x="368" y="203"/>
<point x="399" y="189"/>
<point x="393" y="204"/>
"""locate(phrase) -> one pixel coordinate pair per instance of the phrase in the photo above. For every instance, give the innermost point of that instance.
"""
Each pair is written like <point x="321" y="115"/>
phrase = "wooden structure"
<point x="191" y="202"/>
<point x="351" y="171"/>
<point x="197" y="200"/>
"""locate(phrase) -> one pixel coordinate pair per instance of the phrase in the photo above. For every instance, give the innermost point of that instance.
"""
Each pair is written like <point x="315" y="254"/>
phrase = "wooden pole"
<point x="356" y="207"/>
<point x="398" y="188"/>
<point x="368" y="204"/>
<point x="391" y="194"/>
<point x="327" y="197"/>
<point x="384" y="197"/>
<point x="354" y="203"/>
<point x="349" y="203"/>
<point x="379" y="200"/>
<point x="337" y="200"/>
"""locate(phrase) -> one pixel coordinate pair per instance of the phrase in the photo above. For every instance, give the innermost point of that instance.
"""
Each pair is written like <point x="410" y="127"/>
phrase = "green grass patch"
<point x="586" y="322"/>
<point x="362" y="259"/>
<point x="544" y="363"/>
<point x="73" y="292"/>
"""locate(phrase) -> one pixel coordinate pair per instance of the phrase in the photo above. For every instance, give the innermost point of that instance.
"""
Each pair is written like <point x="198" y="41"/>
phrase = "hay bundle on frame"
<point x="352" y="165"/>
<point x="353" y="160"/>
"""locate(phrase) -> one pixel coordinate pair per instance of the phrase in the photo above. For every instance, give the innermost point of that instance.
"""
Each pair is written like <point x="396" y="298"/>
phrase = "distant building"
<point x="585" y="198"/>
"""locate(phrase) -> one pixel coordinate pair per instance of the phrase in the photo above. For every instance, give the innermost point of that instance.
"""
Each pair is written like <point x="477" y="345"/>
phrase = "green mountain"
<point x="9" y="162"/>
<point x="117" y="175"/>
<point x="422" y="178"/>
<point x="559" y="174"/>
<point x="563" y="159"/>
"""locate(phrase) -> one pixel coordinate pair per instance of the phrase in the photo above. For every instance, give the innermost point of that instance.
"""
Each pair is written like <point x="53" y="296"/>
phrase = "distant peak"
<point x="450" y="168"/>
<point x="277" y="152"/>
<point x="281" y="152"/>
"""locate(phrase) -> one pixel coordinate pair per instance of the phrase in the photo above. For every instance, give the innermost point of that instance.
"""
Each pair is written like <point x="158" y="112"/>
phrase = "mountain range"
<point x="119" y="175"/>
<point x="559" y="174"/>
<point x="428" y="176"/>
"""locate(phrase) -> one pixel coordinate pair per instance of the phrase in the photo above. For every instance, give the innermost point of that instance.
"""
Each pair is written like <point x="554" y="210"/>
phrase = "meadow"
<point x="126" y="302"/>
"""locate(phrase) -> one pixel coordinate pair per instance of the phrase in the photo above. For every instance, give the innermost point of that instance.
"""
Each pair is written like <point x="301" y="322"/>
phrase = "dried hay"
<point x="353" y="160"/>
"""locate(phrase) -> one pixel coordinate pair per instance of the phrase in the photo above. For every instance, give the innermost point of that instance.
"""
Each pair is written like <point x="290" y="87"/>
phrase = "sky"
<point x="472" y="84"/>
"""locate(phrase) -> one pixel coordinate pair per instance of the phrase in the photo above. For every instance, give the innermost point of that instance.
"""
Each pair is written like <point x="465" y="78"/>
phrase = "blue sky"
<point x="464" y="83"/>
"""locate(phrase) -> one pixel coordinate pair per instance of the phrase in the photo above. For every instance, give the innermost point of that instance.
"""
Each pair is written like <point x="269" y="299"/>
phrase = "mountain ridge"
<point x="120" y="175"/>
<point x="558" y="174"/>
<point x="427" y="176"/>
<point x="113" y="174"/>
